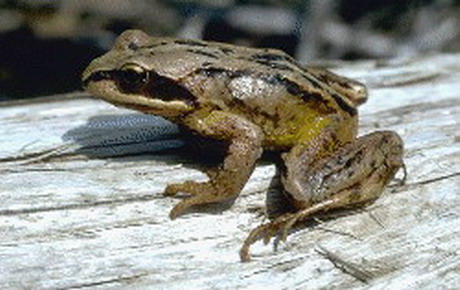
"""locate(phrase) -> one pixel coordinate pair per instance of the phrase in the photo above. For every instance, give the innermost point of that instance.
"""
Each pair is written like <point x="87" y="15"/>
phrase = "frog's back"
<point x="266" y="86"/>
<point x="266" y="67"/>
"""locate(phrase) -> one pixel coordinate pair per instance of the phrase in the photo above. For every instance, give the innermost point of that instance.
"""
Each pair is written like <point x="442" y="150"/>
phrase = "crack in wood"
<point x="43" y="155"/>
<point x="71" y="206"/>
<point x="436" y="179"/>
<point x="352" y="269"/>
<point x="122" y="279"/>
<point x="405" y="187"/>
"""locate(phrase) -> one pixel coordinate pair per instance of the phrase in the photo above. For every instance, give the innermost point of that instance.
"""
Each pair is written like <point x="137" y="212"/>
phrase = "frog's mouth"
<point x="150" y="93"/>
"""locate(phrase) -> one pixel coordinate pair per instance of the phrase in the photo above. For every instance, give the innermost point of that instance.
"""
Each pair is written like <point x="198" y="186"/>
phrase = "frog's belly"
<point x="276" y="143"/>
<point x="287" y="134"/>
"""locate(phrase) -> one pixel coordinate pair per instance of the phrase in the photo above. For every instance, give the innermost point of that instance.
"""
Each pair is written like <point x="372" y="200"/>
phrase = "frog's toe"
<point x="179" y="209"/>
<point x="287" y="227"/>
<point x="265" y="232"/>
<point x="201" y="193"/>
<point x="188" y="187"/>
<point x="185" y="204"/>
<point x="172" y="189"/>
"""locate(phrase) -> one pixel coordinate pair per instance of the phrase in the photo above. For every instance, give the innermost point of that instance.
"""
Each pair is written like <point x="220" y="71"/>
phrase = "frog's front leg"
<point x="225" y="183"/>
<point x="352" y="175"/>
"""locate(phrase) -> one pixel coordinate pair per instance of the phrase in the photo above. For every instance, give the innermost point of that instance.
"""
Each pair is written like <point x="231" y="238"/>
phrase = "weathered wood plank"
<point x="76" y="220"/>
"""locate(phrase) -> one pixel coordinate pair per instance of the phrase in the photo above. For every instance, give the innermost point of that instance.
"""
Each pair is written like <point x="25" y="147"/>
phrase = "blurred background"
<point x="46" y="44"/>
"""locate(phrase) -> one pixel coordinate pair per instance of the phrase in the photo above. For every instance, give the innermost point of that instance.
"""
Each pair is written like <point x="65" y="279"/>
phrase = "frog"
<point x="253" y="100"/>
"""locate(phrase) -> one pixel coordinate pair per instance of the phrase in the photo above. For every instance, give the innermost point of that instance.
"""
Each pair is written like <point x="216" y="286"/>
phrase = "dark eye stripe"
<point x="226" y="50"/>
<point x="163" y="88"/>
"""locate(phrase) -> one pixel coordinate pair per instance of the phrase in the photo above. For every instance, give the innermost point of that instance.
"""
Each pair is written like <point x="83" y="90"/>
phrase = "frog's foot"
<point x="265" y="232"/>
<point x="282" y="225"/>
<point x="200" y="193"/>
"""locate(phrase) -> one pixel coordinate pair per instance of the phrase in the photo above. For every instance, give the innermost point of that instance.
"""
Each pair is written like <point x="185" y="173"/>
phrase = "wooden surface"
<point x="70" y="219"/>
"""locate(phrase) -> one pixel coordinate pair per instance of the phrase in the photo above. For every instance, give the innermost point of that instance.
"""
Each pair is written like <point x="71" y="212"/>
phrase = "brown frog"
<point x="254" y="100"/>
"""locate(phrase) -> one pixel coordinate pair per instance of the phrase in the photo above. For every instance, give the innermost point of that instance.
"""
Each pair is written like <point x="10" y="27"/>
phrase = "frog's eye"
<point x="131" y="78"/>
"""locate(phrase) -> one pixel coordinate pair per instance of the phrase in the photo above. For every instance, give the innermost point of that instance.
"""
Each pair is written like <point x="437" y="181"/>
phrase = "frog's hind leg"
<point x="365" y="165"/>
<point x="356" y="174"/>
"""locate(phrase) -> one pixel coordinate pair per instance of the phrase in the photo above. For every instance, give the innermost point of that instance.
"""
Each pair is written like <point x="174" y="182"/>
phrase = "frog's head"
<point x="130" y="76"/>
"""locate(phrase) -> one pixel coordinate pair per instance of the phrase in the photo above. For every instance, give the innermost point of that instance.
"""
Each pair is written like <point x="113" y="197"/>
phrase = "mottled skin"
<point x="253" y="100"/>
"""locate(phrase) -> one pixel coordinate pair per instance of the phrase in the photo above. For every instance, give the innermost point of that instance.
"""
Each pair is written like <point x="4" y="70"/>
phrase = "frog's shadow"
<point x="131" y="137"/>
<point x="123" y="137"/>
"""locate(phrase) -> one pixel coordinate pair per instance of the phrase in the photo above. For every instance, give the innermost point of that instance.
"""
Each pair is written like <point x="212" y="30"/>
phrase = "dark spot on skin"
<point x="282" y="67"/>
<point x="356" y="194"/>
<point x="190" y="42"/>
<point x="133" y="46"/>
<point x="343" y="105"/>
<point x="274" y="65"/>
<point x="348" y="163"/>
<point x="293" y="88"/>
<point x="201" y="52"/>
<point x="273" y="57"/>
<point x="312" y="81"/>
<point x="227" y="50"/>
<point x="343" y="84"/>
<point x="333" y="136"/>
<point x="275" y="118"/>
<point x="154" y="45"/>
<point x="245" y="72"/>
<point x="211" y="71"/>
<point x="331" y="80"/>
<point x="206" y="63"/>
<point x="237" y="103"/>
<point x="215" y="71"/>
<point x="276" y="61"/>
<point x="321" y="77"/>
<point x="358" y="157"/>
